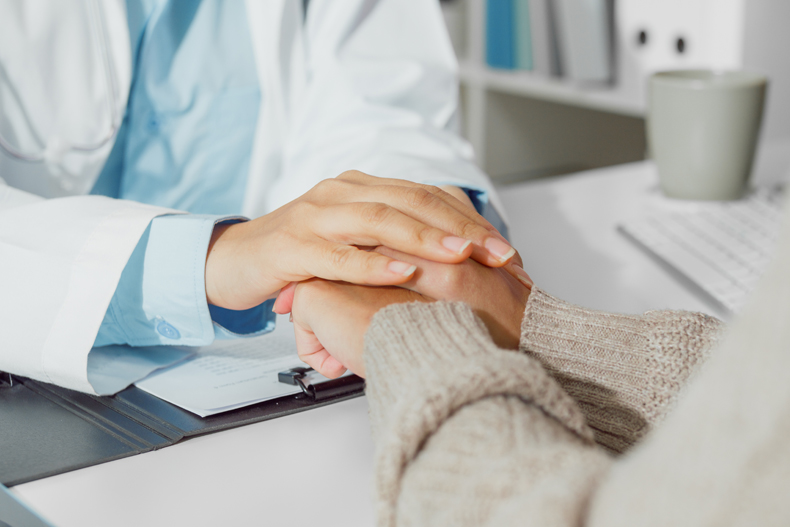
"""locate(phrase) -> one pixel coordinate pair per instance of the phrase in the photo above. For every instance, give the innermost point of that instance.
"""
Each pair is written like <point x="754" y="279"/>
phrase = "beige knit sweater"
<point x="470" y="434"/>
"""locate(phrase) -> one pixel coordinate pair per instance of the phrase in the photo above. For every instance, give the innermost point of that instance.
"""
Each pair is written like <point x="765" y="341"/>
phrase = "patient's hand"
<point x="498" y="296"/>
<point x="331" y="318"/>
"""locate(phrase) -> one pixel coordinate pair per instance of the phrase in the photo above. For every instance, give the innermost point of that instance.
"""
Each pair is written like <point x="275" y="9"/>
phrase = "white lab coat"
<point x="359" y="84"/>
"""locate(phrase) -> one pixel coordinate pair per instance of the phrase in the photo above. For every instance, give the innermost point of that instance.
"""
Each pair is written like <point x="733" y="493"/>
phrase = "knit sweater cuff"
<point x="405" y="340"/>
<point x="423" y="363"/>
<point x="442" y="346"/>
<point x="625" y="371"/>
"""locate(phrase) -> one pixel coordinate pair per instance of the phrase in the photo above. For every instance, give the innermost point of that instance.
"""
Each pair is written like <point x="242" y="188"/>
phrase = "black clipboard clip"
<point x="6" y="380"/>
<point x="316" y="387"/>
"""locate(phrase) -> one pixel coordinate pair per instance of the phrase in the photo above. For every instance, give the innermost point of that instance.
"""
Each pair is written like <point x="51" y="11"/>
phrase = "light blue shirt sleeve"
<point x="161" y="296"/>
<point x="187" y="135"/>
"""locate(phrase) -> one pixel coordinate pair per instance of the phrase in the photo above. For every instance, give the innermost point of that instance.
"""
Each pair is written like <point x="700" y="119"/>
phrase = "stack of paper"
<point x="229" y="374"/>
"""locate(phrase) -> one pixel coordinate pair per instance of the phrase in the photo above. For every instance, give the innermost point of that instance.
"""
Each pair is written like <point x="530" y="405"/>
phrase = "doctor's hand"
<point x="319" y="235"/>
<point x="330" y="320"/>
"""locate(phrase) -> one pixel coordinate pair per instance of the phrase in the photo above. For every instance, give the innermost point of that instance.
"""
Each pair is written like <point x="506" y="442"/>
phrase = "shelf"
<point x="528" y="84"/>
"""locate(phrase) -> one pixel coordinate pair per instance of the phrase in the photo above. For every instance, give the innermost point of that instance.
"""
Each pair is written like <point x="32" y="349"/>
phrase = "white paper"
<point x="229" y="374"/>
<point x="113" y="368"/>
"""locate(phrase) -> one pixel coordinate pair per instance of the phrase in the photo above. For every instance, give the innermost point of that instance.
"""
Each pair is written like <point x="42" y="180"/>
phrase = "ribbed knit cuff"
<point x="624" y="371"/>
<point x="424" y="362"/>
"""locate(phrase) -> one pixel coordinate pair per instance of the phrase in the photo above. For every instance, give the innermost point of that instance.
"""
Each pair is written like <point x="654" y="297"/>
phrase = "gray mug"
<point x="702" y="128"/>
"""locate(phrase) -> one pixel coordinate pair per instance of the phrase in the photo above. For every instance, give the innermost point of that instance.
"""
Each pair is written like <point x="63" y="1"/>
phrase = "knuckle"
<point x="331" y="190"/>
<point x="324" y="186"/>
<point x="422" y="235"/>
<point x="469" y="230"/>
<point x="321" y="184"/>
<point x="351" y="175"/>
<point x="376" y="214"/>
<point x="433" y="189"/>
<point x="419" y="198"/>
<point x="368" y="264"/>
<point x="313" y="194"/>
<point x="340" y="256"/>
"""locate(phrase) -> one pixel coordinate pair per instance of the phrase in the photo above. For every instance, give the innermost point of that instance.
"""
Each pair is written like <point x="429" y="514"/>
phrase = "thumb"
<point x="285" y="299"/>
<point x="313" y="353"/>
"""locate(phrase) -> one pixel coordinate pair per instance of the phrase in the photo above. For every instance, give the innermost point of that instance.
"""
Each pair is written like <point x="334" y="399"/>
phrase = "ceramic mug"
<point x="702" y="128"/>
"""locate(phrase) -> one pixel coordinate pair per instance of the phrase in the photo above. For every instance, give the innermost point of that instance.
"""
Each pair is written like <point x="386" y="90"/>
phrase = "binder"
<point x="545" y="56"/>
<point x="500" y="34"/>
<point x="47" y="430"/>
<point x="585" y="37"/>
<point x="523" y="33"/>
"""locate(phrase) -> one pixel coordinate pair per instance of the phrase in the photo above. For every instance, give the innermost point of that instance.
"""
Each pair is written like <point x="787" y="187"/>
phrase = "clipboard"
<point x="47" y="430"/>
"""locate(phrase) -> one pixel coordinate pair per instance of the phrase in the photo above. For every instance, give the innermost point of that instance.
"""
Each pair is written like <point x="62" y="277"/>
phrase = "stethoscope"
<point x="56" y="148"/>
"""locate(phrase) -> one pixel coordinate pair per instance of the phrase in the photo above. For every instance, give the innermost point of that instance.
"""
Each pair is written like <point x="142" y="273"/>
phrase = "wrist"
<point x="214" y="265"/>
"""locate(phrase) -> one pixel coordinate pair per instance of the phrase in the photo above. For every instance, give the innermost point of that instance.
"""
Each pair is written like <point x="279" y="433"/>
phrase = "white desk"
<point x="566" y="231"/>
<point x="315" y="468"/>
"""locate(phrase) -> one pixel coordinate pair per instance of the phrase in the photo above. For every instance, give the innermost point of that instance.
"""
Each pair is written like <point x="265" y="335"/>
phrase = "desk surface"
<point x="566" y="231"/>
<point x="316" y="467"/>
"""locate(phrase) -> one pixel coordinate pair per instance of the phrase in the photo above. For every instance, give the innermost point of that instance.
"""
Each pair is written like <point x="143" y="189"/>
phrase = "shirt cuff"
<point x="230" y="324"/>
<point x="161" y="296"/>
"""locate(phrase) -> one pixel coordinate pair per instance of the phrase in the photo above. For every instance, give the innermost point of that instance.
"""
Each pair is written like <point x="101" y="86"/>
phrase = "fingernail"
<point x="401" y="268"/>
<point x="499" y="249"/>
<point x="291" y="317"/>
<point x="455" y="244"/>
<point x="523" y="276"/>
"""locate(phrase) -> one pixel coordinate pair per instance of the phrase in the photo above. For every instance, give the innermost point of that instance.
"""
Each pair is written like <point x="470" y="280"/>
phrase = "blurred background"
<point x="550" y="87"/>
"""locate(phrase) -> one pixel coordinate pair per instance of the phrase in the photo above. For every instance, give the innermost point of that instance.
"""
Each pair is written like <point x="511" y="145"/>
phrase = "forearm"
<point x="624" y="371"/>
<point x="467" y="433"/>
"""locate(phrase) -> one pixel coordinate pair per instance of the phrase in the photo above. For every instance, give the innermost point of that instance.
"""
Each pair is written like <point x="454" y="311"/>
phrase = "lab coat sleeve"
<point x="373" y="87"/>
<point x="60" y="262"/>
<point x="161" y="296"/>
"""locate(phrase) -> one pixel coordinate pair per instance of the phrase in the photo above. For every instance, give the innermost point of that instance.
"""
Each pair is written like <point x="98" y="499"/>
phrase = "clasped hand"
<point x="331" y="318"/>
<point x="314" y="252"/>
<point x="320" y="234"/>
